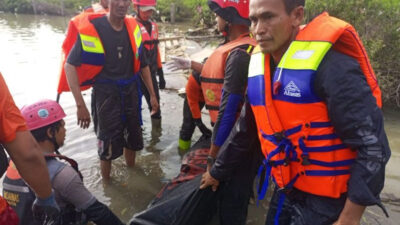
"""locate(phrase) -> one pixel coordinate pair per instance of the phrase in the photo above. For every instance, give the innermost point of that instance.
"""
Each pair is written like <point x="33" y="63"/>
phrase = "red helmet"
<point x="42" y="113"/>
<point x="145" y="2"/>
<point x="233" y="11"/>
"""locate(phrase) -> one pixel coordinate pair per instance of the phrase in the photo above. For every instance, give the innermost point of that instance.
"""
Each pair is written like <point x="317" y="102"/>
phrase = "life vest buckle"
<point x="279" y="136"/>
<point x="305" y="160"/>
<point x="271" y="163"/>
<point x="285" y="189"/>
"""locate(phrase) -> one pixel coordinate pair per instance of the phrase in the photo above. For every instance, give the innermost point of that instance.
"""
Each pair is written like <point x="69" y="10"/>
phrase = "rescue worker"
<point x="45" y="120"/>
<point x="108" y="54"/>
<point x="144" y="11"/>
<point x="192" y="106"/>
<point x="70" y="39"/>
<point x="223" y="82"/>
<point x="25" y="152"/>
<point x="314" y="103"/>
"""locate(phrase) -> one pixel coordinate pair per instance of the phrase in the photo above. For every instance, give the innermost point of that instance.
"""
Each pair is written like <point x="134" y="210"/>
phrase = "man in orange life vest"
<point x="192" y="106"/>
<point x="27" y="156"/>
<point x="314" y="104"/>
<point x="108" y="54"/>
<point x="223" y="82"/>
<point x="70" y="39"/>
<point x="144" y="11"/>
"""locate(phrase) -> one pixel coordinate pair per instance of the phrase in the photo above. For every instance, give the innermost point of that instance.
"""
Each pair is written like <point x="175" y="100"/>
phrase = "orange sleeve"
<point x="194" y="96"/>
<point x="159" y="63"/>
<point x="11" y="120"/>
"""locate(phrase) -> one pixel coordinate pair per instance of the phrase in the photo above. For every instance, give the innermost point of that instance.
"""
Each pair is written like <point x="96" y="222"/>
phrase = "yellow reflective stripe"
<point x="250" y="49"/>
<point x="304" y="55"/>
<point x="138" y="36"/>
<point x="91" y="44"/>
<point x="256" y="66"/>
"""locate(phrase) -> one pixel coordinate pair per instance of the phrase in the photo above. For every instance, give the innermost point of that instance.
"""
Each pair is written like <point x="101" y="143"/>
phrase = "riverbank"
<point x="30" y="61"/>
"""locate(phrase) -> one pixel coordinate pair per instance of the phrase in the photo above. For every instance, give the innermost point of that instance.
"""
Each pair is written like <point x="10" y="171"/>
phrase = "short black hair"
<point x="40" y="134"/>
<point x="291" y="4"/>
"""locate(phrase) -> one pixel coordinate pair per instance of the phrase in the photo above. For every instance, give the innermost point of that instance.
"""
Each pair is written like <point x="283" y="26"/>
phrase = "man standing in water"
<point x="108" y="55"/>
<point x="144" y="11"/>
<point x="314" y="103"/>
<point x="223" y="83"/>
<point x="28" y="158"/>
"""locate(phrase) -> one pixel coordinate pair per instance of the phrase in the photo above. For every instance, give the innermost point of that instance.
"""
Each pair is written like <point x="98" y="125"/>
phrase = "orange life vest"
<point x="213" y="73"/>
<point x="297" y="138"/>
<point x="93" y="55"/>
<point x="150" y="41"/>
<point x="69" y="42"/>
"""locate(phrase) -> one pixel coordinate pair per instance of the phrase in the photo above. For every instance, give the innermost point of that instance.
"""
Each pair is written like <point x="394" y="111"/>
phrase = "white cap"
<point x="147" y="8"/>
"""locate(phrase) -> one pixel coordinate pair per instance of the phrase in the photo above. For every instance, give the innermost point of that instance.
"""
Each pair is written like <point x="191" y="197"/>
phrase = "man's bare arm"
<point x="146" y="77"/>
<point x="83" y="114"/>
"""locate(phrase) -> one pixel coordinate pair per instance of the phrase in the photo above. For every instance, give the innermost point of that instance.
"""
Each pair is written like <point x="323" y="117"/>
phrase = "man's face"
<point x="146" y="15"/>
<point x="119" y="8"/>
<point x="60" y="134"/>
<point x="271" y="25"/>
<point x="221" y="23"/>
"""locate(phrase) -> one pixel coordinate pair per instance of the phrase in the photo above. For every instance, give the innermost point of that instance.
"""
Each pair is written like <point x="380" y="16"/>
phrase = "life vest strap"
<point x="322" y="137"/>
<point x="329" y="148"/>
<point x="212" y="107"/>
<point x="211" y="80"/>
<point x="320" y="124"/>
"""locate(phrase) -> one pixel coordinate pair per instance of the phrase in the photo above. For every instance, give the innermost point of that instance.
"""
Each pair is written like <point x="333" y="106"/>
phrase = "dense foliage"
<point x="378" y="24"/>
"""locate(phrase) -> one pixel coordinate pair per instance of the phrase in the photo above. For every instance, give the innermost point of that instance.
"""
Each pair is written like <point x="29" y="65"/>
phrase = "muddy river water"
<point x="30" y="61"/>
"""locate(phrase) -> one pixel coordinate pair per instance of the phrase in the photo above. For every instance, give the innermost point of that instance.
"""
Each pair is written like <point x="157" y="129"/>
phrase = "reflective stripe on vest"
<point x="297" y="138"/>
<point x="92" y="50"/>
<point x="93" y="55"/>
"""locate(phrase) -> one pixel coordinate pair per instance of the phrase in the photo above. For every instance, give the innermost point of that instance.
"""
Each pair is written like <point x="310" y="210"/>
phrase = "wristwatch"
<point x="210" y="160"/>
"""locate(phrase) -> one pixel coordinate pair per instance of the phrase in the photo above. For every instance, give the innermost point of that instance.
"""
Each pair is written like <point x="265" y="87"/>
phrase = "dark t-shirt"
<point x="118" y="50"/>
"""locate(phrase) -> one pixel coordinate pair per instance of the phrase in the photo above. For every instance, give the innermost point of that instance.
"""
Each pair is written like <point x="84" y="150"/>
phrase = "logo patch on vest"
<point x="303" y="54"/>
<point x="210" y="95"/>
<point x="89" y="44"/>
<point x="292" y="90"/>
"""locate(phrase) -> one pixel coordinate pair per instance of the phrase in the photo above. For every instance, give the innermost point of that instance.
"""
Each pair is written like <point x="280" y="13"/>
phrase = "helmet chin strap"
<point x="225" y="32"/>
<point x="54" y="141"/>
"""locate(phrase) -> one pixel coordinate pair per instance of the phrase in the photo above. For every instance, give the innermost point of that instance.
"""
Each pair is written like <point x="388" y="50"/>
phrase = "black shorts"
<point x="117" y="122"/>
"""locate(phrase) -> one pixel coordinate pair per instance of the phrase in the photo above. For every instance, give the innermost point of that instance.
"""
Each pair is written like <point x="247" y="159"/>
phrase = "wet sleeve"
<point x="231" y="153"/>
<point x="235" y="83"/>
<point x="142" y="57"/>
<point x="74" y="57"/>
<point x="193" y="94"/>
<point x="11" y="120"/>
<point x="359" y="123"/>
<point x="71" y="188"/>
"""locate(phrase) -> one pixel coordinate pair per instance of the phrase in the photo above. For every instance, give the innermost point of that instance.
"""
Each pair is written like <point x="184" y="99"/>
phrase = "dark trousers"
<point x="300" y="208"/>
<point x="188" y="126"/>
<point x="146" y="94"/>
<point x="235" y="193"/>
